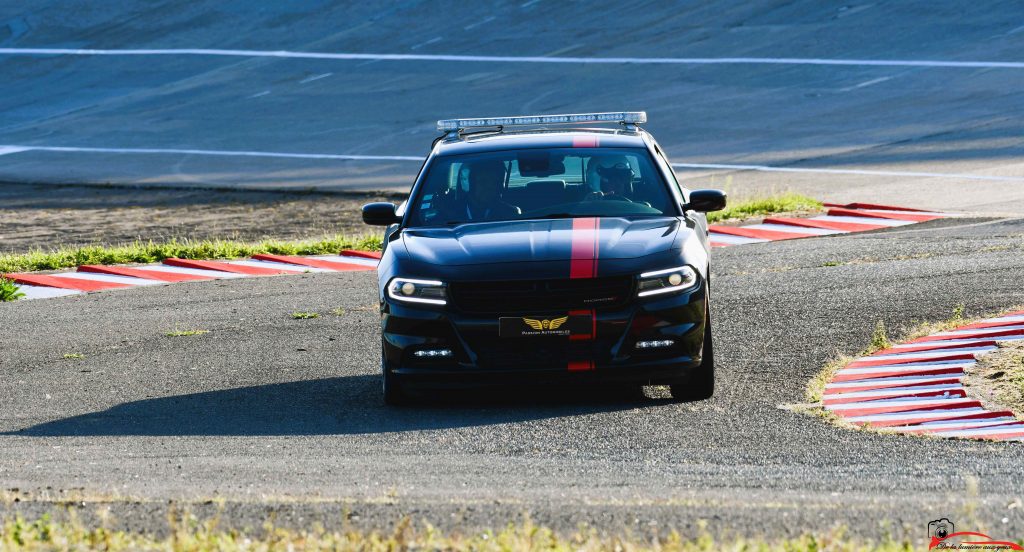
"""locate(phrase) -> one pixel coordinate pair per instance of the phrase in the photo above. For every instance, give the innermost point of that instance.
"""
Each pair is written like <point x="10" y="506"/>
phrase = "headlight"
<point x="417" y="291"/>
<point x="666" y="281"/>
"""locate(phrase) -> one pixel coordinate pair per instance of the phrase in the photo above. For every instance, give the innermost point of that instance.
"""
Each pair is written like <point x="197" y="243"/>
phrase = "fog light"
<point x="655" y="343"/>
<point x="408" y="288"/>
<point x="434" y="353"/>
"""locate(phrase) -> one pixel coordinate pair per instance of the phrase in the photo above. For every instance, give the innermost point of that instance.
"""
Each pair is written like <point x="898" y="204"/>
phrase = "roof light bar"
<point x="623" y="117"/>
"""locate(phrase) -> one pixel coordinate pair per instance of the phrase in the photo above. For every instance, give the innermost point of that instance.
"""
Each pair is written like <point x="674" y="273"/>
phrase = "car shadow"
<point x="342" y="405"/>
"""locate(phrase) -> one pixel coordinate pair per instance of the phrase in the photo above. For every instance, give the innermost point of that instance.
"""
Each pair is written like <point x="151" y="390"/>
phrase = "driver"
<point x="483" y="201"/>
<point x="613" y="177"/>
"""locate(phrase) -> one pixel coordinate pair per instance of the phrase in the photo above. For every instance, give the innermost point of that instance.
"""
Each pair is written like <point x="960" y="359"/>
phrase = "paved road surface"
<point x="266" y="408"/>
<point x="271" y="413"/>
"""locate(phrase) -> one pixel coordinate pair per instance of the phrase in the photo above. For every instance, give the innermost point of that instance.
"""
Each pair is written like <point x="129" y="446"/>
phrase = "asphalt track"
<point x="278" y="415"/>
<point x="274" y="414"/>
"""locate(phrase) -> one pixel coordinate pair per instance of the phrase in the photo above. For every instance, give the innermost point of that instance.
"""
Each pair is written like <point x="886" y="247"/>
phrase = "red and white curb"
<point x="89" y="278"/>
<point x="916" y="387"/>
<point x="839" y="219"/>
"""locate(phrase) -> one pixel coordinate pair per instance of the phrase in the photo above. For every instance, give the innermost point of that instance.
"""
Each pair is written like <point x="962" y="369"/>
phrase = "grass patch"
<point x="9" y="290"/>
<point x="189" y="534"/>
<point x="816" y="387"/>
<point x="998" y="378"/>
<point x="178" y="332"/>
<point x="304" y="315"/>
<point x="73" y="356"/>
<point x="154" y="252"/>
<point x="781" y="203"/>
<point x="954" y="321"/>
<point x="338" y="311"/>
<point x="879" y="339"/>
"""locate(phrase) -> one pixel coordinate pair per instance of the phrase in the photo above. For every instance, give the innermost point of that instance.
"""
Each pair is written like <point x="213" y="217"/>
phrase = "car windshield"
<point x="540" y="183"/>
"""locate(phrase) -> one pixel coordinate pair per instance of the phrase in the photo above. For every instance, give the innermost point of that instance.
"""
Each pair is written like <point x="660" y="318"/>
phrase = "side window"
<point x="442" y="180"/>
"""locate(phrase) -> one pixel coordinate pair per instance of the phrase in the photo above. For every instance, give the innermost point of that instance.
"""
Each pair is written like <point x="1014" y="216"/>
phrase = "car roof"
<point x="498" y="141"/>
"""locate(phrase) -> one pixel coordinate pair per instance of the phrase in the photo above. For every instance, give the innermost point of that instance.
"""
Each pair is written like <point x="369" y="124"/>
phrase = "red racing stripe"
<point x="593" y="325"/>
<point x="581" y="365"/>
<point x="583" y="255"/>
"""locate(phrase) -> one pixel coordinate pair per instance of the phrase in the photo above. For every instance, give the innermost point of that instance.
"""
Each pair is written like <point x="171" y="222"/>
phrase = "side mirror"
<point x="380" y="214"/>
<point x="704" y="201"/>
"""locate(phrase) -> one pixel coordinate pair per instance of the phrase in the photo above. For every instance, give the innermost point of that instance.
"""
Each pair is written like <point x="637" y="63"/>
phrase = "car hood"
<point x="540" y="240"/>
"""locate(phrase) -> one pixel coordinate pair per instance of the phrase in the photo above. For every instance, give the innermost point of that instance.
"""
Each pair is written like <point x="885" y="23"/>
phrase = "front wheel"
<point x="701" y="384"/>
<point x="394" y="391"/>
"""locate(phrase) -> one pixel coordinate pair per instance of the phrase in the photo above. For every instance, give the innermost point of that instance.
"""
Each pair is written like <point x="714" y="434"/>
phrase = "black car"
<point x="534" y="251"/>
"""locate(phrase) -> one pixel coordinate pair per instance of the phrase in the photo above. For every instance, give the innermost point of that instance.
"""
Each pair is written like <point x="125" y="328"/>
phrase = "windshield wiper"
<point x="556" y="216"/>
<point x="530" y="217"/>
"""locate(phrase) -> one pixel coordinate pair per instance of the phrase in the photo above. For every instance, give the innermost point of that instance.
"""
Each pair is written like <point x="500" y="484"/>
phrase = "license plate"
<point x="541" y="326"/>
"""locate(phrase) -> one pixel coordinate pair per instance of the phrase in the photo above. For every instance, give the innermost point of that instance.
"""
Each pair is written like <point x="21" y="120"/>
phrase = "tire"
<point x="701" y="385"/>
<point x="394" y="391"/>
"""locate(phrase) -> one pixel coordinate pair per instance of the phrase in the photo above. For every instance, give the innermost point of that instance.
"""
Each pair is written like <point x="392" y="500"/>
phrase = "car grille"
<point x="538" y="296"/>
<point x="537" y="354"/>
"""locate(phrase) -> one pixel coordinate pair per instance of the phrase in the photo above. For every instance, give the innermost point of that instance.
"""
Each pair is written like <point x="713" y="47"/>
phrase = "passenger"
<point x="463" y="183"/>
<point x="483" y="201"/>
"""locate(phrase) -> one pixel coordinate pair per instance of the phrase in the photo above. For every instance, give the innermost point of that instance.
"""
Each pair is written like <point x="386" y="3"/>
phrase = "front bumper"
<point x="610" y="355"/>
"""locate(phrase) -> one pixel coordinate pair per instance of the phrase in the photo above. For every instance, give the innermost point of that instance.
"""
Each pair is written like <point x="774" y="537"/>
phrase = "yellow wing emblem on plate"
<point x="554" y="324"/>
<point x="535" y="324"/>
<point x="545" y="324"/>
